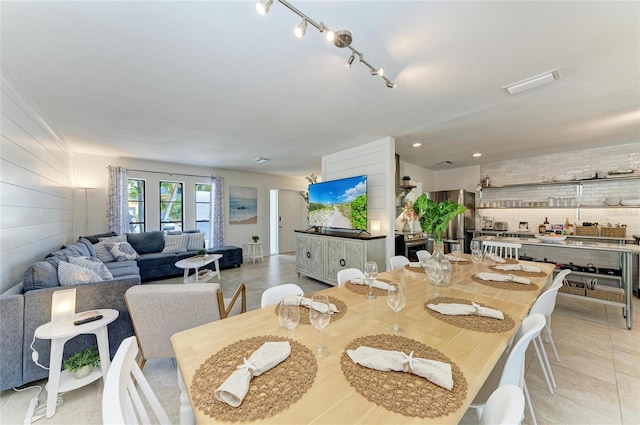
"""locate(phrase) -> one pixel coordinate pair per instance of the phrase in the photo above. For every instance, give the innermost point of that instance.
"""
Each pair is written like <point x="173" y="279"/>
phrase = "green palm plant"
<point x="434" y="218"/>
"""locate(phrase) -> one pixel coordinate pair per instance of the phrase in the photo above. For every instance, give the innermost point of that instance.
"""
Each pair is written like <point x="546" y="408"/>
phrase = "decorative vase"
<point x="83" y="372"/>
<point x="406" y="228"/>
<point x="439" y="265"/>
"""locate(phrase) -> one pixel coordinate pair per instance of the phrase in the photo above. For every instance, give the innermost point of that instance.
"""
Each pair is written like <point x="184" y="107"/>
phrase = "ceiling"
<point x="213" y="83"/>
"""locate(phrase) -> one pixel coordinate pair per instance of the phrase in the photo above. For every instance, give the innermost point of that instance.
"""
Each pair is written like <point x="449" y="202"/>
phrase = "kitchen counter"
<point x="529" y="233"/>
<point x="626" y="251"/>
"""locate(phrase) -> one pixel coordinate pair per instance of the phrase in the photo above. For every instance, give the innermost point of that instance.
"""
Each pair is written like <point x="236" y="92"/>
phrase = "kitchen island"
<point x="626" y="253"/>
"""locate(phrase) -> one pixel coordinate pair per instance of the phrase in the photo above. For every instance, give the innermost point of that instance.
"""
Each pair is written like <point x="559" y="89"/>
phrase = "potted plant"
<point x="406" y="179"/>
<point x="255" y="238"/>
<point x="202" y="252"/>
<point x="82" y="362"/>
<point x="434" y="218"/>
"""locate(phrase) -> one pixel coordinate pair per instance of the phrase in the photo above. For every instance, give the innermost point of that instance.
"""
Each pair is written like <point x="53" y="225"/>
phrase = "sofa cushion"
<point x="94" y="264"/>
<point x="146" y="242"/>
<point x="124" y="272"/>
<point x="175" y="243"/>
<point x="89" y="245"/>
<point x="94" y="239"/>
<point x="122" y="251"/>
<point x="120" y="264"/>
<point x="70" y="274"/>
<point x="157" y="259"/>
<point x="195" y="241"/>
<point x="77" y="248"/>
<point x="40" y="275"/>
<point x="102" y="251"/>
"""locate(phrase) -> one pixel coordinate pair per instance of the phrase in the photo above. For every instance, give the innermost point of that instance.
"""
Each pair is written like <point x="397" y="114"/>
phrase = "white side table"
<point x="255" y="251"/>
<point x="197" y="262"/>
<point x="59" y="335"/>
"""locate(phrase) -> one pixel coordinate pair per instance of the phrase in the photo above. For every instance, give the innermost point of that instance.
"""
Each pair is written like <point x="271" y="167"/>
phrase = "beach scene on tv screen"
<point x="339" y="203"/>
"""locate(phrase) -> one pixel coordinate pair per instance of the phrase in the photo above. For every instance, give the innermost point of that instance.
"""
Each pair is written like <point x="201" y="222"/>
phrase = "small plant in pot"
<point x="201" y="252"/>
<point x="81" y="363"/>
<point x="255" y="238"/>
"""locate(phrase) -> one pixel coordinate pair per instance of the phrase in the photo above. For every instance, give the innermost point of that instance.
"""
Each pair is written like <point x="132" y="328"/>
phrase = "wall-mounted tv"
<point x="339" y="204"/>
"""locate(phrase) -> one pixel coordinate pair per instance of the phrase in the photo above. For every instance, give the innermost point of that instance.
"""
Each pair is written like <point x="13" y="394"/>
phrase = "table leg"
<point x="217" y="268"/>
<point x="186" y="411"/>
<point x="102" y="338"/>
<point x="197" y="272"/>
<point x="186" y="274"/>
<point x="55" y="362"/>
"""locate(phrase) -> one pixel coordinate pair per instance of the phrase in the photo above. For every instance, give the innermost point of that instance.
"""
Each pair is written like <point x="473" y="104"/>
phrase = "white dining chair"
<point x="398" y="261"/>
<point x="505" y="406"/>
<point x="275" y="294"/>
<point x="502" y="249"/>
<point x="124" y="385"/>
<point x="423" y="255"/>
<point x="347" y="274"/>
<point x="510" y="367"/>
<point x="545" y="304"/>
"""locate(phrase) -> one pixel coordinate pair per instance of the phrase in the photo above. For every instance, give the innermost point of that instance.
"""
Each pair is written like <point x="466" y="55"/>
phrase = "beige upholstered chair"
<point x="159" y="311"/>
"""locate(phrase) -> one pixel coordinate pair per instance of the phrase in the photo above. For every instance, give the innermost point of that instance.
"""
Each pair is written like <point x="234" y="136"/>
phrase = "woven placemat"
<point x="401" y="392"/>
<point x="415" y="269"/>
<point x="364" y="289"/>
<point x="507" y="285"/>
<point x="510" y="261"/>
<point x="304" y="311"/>
<point x="474" y="323"/>
<point x="270" y="393"/>
<point x="518" y="272"/>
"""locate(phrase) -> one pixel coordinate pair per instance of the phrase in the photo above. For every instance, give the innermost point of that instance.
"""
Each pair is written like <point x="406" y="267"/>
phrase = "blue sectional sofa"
<point x="27" y="305"/>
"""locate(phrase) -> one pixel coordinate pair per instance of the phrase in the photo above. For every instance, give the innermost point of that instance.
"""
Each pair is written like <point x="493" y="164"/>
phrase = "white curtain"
<point x="216" y="223"/>
<point x="117" y="211"/>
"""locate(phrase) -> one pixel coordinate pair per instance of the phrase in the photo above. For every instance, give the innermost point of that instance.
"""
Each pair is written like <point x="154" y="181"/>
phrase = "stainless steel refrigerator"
<point x="457" y="231"/>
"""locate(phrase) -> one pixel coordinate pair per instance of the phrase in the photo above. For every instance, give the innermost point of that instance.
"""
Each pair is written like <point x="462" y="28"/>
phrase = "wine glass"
<point x="456" y="250"/>
<point x="476" y="258"/>
<point x="370" y="275"/>
<point x="396" y="300"/>
<point x="475" y="246"/>
<point x="435" y="273"/>
<point x="319" y="316"/>
<point x="289" y="312"/>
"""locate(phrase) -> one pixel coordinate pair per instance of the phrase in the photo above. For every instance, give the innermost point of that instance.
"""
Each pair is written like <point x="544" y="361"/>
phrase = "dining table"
<point x="335" y="392"/>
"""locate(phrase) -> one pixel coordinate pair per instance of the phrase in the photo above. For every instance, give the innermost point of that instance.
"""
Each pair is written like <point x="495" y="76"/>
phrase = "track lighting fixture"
<point x="263" y="6"/>
<point x="301" y="29"/>
<point x="340" y="39"/>
<point x="350" y="61"/>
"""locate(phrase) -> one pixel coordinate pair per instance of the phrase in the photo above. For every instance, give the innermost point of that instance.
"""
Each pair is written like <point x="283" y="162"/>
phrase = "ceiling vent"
<point x="447" y="162"/>
<point x="532" y="82"/>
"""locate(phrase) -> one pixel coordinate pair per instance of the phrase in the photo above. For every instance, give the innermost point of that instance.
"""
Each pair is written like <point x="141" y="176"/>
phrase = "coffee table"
<point x="197" y="262"/>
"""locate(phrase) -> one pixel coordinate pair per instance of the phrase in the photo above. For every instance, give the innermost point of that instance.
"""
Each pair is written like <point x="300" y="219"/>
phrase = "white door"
<point x="291" y="214"/>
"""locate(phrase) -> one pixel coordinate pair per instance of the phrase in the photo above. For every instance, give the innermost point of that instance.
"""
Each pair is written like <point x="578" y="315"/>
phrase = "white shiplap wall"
<point x="36" y="187"/>
<point x="377" y="160"/>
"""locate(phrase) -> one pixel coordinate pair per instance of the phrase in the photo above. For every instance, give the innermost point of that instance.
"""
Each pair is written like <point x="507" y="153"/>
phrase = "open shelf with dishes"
<point x="564" y="182"/>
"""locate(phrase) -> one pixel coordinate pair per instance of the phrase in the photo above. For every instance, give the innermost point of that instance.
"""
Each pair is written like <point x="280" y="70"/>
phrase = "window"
<point x="171" y="213"/>
<point x="136" y="205"/>
<point x="203" y="208"/>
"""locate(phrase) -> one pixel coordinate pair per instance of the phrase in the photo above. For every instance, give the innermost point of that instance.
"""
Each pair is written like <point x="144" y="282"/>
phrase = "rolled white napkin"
<point x="415" y="264"/>
<point x="503" y="278"/>
<point x="321" y="307"/>
<point x="454" y="309"/>
<point x="519" y="267"/>
<point x="233" y="390"/>
<point x="454" y="258"/>
<point x="498" y="259"/>
<point x="376" y="283"/>
<point x="385" y="360"/>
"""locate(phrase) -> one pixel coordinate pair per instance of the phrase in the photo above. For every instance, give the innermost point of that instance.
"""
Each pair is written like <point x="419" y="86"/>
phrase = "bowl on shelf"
<point x="551" y="238"/>
<point x="612" y="201"/>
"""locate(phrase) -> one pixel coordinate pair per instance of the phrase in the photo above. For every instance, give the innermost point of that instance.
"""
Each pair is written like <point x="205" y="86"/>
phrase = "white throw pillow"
<point x="122" y="251"/>
<point x="102" y="251"/>
<point x="195" y="241"/>
<point x="175" y="243"/>
<point x="94" y="264"/>
<point x="70" y="274"/>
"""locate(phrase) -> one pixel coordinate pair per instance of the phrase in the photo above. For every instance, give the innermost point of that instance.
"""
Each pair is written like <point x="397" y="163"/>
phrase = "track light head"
<point x="379" y="71"/>
<point x="331" y="35"/>
<point x="263" y="6"/>
<point x="301" y="29"/>
<point x="392" y="85"/>
<point x="350" y="61"/>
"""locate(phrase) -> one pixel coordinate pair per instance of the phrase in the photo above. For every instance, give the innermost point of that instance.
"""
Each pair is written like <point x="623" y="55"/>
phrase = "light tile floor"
<point x="598" y="377"/>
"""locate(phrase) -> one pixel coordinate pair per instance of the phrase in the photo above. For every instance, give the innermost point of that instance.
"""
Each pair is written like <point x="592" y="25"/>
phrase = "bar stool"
<point x="255" y="251"/>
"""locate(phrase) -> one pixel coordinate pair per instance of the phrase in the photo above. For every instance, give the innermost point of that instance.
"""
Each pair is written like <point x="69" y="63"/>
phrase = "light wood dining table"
<point x="331" y="399"/>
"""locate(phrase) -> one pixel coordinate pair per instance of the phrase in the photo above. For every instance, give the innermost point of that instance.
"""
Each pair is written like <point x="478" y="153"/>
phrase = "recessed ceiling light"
<point x="477" y="155"/>
<point x="260" y="160"/>
<point x="416" y="145"/>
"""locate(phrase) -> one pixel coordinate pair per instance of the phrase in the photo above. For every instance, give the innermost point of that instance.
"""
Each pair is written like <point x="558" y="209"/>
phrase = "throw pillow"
<point x="122" y="251"/>
<point x="196" y="241"/>
<point x="175" y="243"/>
<point x="94" y="264"/>
<point x="146" y="242"/>
<point x="102" y="252"/>
<point x="70" y="274"/>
